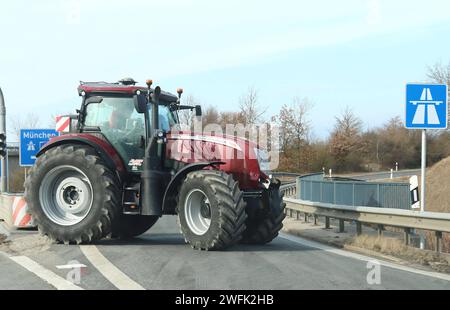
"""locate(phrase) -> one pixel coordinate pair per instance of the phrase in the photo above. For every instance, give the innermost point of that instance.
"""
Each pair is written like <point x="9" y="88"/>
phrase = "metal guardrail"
<point x="351" y="192"/>
<point x="406" y="219"/>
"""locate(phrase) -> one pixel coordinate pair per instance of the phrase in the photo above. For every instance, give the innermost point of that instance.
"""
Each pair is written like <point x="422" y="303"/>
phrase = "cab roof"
<point x="99" y="88"/>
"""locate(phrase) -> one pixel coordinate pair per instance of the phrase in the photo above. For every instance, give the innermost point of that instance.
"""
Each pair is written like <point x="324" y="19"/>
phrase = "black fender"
<point x="116" y="164"/>
<point x="169" y="201"/>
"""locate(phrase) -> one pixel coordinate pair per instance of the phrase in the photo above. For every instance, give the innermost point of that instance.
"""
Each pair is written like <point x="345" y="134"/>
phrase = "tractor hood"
<point x="240" y="156"/>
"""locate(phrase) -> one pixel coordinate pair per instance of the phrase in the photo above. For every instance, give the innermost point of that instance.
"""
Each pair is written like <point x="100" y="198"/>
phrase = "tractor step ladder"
<point x="130" y="201"/>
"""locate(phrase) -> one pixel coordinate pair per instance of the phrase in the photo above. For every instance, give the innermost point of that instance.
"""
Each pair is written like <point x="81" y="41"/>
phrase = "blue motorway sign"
<point x="31" y="141"/>
<point x="426" y="106"/>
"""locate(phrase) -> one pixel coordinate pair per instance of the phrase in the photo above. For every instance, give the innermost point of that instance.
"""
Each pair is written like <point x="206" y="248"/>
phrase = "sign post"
<point x="3" y="177"/>
<point x="423" y="170"/>
<point x="426" y="108"/>
<point x="31" y="141"/>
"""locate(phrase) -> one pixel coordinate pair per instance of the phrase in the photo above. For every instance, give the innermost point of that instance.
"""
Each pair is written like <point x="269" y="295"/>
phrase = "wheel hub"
<point x="205" y="210"/>
<point x="71" y="195"/>
<point x="197" y="212"/>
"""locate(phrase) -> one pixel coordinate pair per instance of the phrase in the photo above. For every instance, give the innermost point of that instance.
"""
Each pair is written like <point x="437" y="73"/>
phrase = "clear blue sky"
<point x="351" y="53"/>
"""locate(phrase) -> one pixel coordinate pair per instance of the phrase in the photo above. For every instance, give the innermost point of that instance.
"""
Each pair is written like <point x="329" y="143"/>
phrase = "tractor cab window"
<point x="120" y="123"/>
<point x="167" y="119"/>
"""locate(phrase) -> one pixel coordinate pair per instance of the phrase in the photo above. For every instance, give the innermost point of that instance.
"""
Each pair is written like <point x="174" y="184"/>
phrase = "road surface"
<point x="161" y="260"/>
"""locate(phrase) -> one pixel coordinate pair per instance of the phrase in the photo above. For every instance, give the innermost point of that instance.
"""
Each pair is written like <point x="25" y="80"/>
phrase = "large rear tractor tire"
<point x="72" y="195"/>
<point x="211" y="210"/>
<point x="265" y="216"/>
<point x="130" y="226"/>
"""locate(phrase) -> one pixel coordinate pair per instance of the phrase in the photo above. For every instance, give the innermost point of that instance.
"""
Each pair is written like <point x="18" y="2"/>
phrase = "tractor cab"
<point x="110" y="110"/>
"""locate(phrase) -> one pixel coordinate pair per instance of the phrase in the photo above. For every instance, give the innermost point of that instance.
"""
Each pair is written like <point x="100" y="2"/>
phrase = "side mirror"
<point x="198" y="110"/>
<point x="140" y="103"/>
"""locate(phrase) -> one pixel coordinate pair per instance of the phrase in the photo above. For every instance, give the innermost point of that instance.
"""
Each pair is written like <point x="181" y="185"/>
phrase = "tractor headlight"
<point x="263" y="159"/>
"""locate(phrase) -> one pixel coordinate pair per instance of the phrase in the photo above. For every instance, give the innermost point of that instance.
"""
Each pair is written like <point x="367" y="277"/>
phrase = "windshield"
<point x="114" y="113"/>
<point x="119" y="113"/>
<point x="121" y="124"/>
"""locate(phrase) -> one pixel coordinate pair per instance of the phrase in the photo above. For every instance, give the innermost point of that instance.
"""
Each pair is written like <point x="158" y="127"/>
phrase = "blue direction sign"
<point x="426" y="106"/>
<point x="31" y="141"/>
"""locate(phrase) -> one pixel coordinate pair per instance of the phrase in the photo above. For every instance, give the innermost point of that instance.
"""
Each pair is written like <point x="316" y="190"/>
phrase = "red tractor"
<point x="121" y="168"/>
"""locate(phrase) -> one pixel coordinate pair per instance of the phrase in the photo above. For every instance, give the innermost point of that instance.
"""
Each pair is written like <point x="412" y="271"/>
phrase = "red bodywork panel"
<point x="93" y="140"/>
<point x="238" y="154"/>
<point x="124" y="89"/>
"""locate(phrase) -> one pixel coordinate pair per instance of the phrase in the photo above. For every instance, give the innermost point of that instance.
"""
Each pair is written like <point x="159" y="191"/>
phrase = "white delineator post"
<point x="424" y="167"/>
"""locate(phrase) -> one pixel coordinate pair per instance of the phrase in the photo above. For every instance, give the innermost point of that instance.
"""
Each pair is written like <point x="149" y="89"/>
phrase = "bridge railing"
<point x="352" y="192"/>
<point x="405" y="219"/>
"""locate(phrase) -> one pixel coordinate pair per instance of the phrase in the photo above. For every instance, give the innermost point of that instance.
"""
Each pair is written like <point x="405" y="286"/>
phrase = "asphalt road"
<point x="161" y="260"/>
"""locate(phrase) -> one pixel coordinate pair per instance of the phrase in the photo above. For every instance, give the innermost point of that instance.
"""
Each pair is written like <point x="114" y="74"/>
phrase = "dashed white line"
<point x="108" y="270"/>
<point x="339" y="252"/>
<point x="45" y="274"/>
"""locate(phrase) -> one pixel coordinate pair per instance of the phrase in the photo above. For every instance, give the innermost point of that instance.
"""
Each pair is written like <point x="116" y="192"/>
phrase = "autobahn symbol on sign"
<point x="426" y="106"/>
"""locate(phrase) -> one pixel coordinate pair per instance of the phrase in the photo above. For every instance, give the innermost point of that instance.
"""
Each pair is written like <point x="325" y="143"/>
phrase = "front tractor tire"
<point x="72" y="195"/>
<point x="265" y="216"/>
<point x="211" y="210"/>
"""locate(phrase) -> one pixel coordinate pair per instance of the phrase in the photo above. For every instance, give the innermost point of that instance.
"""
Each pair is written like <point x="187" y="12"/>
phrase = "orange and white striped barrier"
<point x="20" y="216"/>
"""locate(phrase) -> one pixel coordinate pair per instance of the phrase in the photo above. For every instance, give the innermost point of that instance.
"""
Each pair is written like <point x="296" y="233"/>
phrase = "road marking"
<point x="72" y="266"/>
<point x="45" y="274"/>
<point x="108" y="270"/>
<point x="339" y="252"/>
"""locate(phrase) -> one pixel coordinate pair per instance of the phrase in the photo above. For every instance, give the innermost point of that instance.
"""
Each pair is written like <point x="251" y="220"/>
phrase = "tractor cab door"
<point x="123" y="127"/>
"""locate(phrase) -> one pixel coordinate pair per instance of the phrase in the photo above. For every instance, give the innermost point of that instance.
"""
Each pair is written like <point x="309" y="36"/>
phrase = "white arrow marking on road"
<point x="71" y="266"/>
<point x="45" y="274"/>
<point x="108" y="270"/>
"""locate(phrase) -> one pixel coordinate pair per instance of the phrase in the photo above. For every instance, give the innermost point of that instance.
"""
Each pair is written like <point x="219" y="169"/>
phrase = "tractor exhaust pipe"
<point x="152" y="178"/>
<point x="152" y="190"/>
<point x="155" y="109"/>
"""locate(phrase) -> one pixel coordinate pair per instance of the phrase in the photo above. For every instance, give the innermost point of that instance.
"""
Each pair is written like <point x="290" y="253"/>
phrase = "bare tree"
<point x="187" y="116"/>
<point x="18" y="122"/>
<point x="346" y="143"/>
<point x="230" y="118"/>
<point x="439" y="73"/>
<point x="250" y="108"/>
<point x="211" y="116"/>
<point x="294" y="134"/>
<point x="293" y="123"/>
